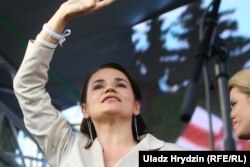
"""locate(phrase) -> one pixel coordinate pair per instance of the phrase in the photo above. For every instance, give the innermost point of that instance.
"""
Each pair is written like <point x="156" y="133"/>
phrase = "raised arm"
<point x="44" y="122"/>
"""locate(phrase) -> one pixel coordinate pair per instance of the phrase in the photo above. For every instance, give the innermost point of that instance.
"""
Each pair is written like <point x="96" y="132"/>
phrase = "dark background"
<point x="103" y="37"/>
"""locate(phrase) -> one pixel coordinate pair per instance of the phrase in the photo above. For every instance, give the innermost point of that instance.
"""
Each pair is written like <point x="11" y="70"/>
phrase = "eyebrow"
<point x="102" y="80"/>
<point x="120" y="79"/>
<point x="98" y="81"/>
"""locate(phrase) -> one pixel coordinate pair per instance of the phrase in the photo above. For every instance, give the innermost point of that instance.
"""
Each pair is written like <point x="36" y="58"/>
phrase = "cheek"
<point x="239" y="111"/>
<point x="247" y="112"/>
<point x="92" y="98"/>
<point x="248" y="106"/>
<point x="130" y="96"/>
<point x="242" y="111"/>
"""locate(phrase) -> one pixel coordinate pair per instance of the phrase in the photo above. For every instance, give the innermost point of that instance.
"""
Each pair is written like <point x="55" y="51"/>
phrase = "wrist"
<point x="60" y="38"/>
<point x="59" y="20"/>
<point x="64" y="14"/>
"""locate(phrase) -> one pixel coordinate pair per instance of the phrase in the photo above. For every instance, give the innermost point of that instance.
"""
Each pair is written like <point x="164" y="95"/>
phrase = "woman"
<point x="239" y="86"/>
<point x="112" y="132"/>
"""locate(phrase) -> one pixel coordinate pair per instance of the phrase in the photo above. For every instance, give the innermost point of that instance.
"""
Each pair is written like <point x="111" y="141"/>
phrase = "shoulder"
<point x="80" y="139"/>
<point x="153" y="143"/>
<point x="172" y="146"/>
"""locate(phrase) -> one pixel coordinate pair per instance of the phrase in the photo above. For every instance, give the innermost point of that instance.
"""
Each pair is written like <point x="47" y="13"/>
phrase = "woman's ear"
<point x="84" y="110"/>
<point x="137" y="107"/>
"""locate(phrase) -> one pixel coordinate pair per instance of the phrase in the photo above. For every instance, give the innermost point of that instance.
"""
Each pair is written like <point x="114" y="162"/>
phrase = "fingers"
<point x="103" y="3"/>
<point x="75" y="8"/>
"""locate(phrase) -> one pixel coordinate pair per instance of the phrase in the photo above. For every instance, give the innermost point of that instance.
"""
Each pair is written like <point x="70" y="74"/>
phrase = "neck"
<point x="115" y="134"/>
<point x="116" y="139"/>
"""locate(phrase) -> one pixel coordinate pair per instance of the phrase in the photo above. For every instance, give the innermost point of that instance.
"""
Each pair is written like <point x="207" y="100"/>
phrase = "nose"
<point x="110" y="88"/>
<point x="232" y="114"/>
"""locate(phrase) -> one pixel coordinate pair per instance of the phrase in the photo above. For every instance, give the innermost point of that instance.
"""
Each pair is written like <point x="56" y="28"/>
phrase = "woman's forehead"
<point x="237" y="93"/>
<point x="108" y="74"/>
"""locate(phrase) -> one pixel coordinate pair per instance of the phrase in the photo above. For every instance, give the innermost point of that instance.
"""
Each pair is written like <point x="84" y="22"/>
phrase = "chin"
<point x="111" y="111"/>
<point x="244" y="136"/>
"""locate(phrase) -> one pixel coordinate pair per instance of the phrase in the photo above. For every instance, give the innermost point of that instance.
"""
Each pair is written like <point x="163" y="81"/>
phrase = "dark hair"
<point x="141" y="126"/>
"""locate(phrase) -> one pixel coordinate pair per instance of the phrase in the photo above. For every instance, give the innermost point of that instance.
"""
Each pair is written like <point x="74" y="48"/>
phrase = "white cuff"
<point x="60" y="37"/>
<point x="45" y="43"/>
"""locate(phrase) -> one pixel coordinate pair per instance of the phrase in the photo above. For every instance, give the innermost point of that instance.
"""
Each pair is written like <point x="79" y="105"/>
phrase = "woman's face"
<point x="109" y="93"/>
<point x="240" y="113"/>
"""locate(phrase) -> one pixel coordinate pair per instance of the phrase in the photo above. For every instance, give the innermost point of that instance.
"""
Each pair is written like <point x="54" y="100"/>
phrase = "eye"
<point x="98" y="86"/>
<point x="233" y="103"/>
<point x="122" y="85"/>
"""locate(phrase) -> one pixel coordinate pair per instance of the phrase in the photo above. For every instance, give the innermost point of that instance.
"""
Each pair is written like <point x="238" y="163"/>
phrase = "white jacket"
<point x="61" y="146"/>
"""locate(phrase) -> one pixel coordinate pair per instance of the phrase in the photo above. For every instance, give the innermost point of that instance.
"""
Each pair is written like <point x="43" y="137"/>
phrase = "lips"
<point x="234" y="122"/>
<point x="110" y="98"/>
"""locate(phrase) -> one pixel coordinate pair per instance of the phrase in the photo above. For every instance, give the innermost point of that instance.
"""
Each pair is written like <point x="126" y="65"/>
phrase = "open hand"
<point x="75" y="8"/>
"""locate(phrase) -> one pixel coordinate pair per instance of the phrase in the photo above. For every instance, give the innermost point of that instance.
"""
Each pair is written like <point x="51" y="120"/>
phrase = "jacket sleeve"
<point x="45" y="123"/>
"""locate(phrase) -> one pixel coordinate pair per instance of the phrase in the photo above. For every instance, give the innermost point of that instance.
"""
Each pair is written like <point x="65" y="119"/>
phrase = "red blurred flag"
<point x="196" y="134"/>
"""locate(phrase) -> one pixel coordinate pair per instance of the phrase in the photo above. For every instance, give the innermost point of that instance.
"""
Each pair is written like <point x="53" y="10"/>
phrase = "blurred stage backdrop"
<point x="165" y="50"/>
